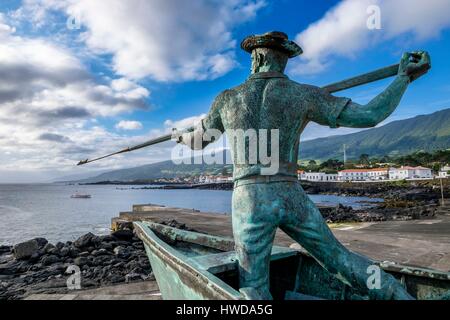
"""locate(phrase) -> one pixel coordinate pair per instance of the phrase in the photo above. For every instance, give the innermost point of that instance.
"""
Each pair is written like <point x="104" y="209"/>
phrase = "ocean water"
<point x="46" y="210"/>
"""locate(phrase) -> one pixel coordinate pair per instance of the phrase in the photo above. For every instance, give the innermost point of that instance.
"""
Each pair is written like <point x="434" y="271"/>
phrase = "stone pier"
<point x="422" y="243"/>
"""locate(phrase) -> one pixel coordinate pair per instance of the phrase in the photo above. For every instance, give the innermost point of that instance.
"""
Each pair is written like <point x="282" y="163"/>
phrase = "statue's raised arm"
<point x="412" y="66"/>
<point x="211" y="125"/>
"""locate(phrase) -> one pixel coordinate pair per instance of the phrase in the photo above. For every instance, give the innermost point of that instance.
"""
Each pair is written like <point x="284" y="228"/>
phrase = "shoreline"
<point x="37" y="267"/>
<point x="412" y="190"/>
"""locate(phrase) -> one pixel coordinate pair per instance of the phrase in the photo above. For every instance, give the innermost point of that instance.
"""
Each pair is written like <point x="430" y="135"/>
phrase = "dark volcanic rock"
<point x="87" y="240"/>
<point x="48" y="247"/>
<point x="5" y="249"/>
<point x="132" y="277"/>
<point x="81" y="261"/>
<point x="123" y="234"/>
<point x="64" y="251"/>
<point x="41" y="242"/>
<point x="100" y="252"/>
<point x="25" y="249"/>
<point x="103" y="261"/>
<point x="49" y="259"/>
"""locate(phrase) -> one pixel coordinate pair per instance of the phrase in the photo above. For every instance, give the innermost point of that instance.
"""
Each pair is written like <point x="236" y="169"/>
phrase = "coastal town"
<point x="375" y="174"/>
<point x="378" y="174"/>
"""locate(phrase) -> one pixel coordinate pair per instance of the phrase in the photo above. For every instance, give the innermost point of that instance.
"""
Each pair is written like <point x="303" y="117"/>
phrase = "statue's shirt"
<point x="272" y="101"/>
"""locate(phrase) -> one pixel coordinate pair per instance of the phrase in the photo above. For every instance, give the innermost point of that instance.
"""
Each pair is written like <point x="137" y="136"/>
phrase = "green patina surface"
<point x="270" y="100"/>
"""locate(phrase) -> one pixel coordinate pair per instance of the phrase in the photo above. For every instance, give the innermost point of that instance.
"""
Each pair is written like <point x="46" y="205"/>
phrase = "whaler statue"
<point x="262" y="203"/>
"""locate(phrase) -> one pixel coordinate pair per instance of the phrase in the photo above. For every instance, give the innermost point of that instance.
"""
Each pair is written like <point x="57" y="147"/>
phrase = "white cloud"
<point x="49" y="104"/>
<point x="343" y="30"/>
<point x="129" y="125"/>
<point x="166" y="40"/>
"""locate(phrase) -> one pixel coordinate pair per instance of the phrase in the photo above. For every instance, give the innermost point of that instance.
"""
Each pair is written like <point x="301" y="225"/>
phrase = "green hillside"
<point x="166" y="169"/>
<point x="426" y="133"/>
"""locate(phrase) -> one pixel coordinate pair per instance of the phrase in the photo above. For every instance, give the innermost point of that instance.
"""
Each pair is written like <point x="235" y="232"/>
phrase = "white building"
<point x="410" y="173"/>
<point x="445" y="172"/>
<point x="363" y="174"/>
<point x="317" y="176"/>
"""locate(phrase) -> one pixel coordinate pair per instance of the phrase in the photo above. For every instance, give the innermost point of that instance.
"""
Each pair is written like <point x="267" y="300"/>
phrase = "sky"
<point x="81" y="78"/>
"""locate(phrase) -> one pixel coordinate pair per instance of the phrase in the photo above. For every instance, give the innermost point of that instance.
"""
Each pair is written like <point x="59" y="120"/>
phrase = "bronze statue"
<point x="262" y="203"/>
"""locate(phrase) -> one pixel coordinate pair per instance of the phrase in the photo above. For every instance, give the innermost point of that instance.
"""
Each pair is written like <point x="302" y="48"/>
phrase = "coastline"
<point x="119" y="258"/>
<point x="39" y="267"/>
<point x="410" y="190"/>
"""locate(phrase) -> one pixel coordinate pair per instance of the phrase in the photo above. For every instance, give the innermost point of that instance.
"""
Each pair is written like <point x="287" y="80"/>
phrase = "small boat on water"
<point x="81" y="196"/>
<point x="194" y="266"/>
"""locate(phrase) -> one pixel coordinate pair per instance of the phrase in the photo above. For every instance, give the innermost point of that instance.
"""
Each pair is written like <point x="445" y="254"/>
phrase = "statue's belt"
<point x="264" y="179"/>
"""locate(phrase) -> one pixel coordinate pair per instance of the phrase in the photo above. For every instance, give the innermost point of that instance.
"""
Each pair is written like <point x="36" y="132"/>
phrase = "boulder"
<point x="100" y="252"/>
<point x="107" y="246"/>
<point x="107" y="238"/>
<point x="64" y="252"/>
<point x="87" y="240"/>
<point x="25" y="250"/>
<point x="80" y="261"/>
<point x="48" y="247"/>
<point x="73" y="252"/>
<point x="41" y="242"/>
<point x="121" y="252"/>
<point x="132" y="277"/>
<point x="49" y="259"/>
<point x="123" y="234"/>
<point x="60" y="245"/>
<point x="5" y="249"/>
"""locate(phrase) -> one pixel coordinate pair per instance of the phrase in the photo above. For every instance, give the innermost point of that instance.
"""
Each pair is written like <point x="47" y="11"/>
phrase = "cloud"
<point x="166" y="40"/>
<point x="129" y="125"/>
<point x="49" y="80"/>
<point x="53" y="137"/>
<point x="343" y="30"/>
<point x="48" y="97"/>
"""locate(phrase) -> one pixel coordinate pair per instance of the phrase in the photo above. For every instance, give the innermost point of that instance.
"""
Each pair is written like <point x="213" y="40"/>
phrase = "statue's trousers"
<point x="260" y="208"/>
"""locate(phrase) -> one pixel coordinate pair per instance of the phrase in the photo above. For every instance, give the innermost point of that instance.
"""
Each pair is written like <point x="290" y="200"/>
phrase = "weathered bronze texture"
<point x="270" y="100"/>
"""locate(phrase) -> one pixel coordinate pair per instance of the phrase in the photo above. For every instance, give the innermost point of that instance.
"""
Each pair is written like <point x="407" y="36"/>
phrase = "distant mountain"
<point x="75" y="177"/>
<point x="427" y="133"/>
<point x="166" y="169"/>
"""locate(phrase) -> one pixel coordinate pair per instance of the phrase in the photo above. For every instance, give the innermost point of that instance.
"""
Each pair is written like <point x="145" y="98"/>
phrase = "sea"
<point x="28" y="211"/>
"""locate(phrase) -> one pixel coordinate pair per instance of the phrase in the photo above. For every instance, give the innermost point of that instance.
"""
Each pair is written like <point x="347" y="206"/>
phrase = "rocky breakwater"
<point x="419" y="191"/>
<point x="37" y="266"/>
<point x="388" y="211"/>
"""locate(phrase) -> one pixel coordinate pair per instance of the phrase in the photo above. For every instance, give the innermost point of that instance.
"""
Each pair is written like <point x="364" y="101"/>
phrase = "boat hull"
<point x="205" y="268"/>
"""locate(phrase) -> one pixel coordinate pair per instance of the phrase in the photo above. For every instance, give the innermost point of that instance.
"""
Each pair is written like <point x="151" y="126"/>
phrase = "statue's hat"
<point x="274" y="40"/>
